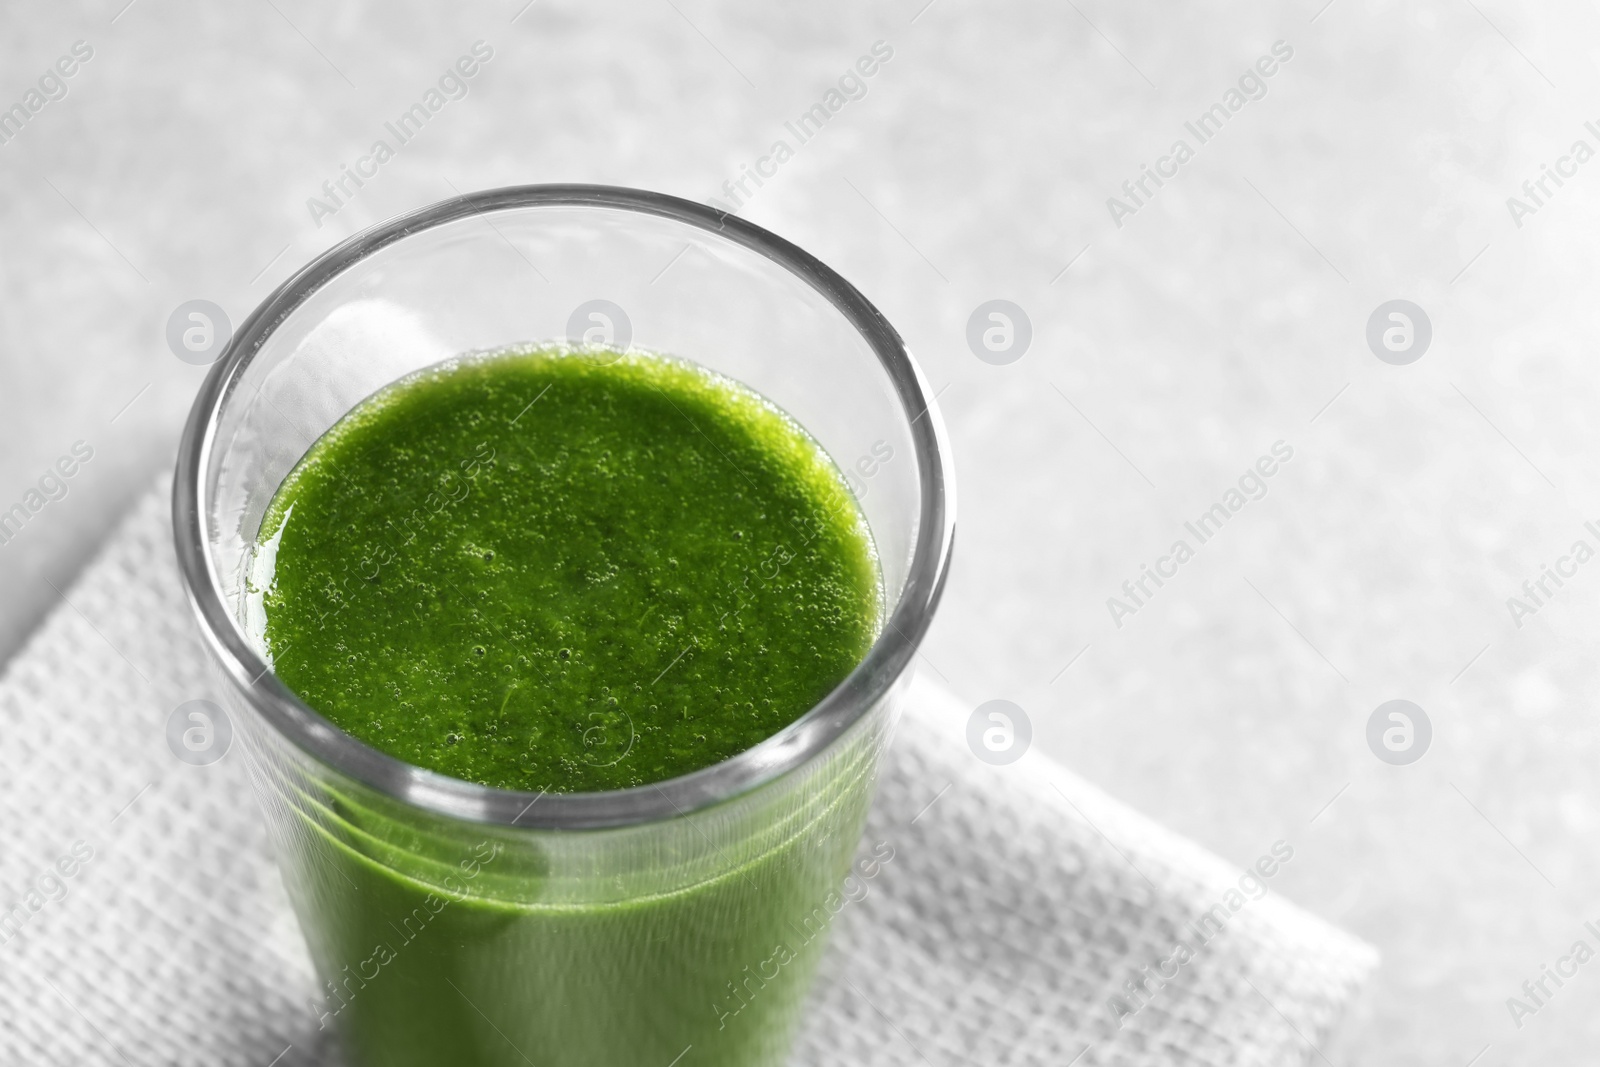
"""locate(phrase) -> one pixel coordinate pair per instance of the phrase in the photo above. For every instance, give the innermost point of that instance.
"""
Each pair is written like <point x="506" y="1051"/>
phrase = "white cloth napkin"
<point x="142" y="921"/>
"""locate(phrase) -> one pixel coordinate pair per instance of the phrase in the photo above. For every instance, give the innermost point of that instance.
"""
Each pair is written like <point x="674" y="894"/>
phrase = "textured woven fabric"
<point x="144" y="922"/>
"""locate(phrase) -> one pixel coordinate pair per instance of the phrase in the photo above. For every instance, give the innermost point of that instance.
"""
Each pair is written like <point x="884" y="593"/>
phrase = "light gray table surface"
<point x="1227" y="313"/>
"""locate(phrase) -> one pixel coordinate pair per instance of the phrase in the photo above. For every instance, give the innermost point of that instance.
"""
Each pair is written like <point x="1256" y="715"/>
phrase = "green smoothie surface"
<point x="564" y="570"/>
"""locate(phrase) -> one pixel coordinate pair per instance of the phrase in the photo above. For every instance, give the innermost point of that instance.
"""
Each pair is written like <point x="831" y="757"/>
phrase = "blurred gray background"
<point x="1169" y="352"/>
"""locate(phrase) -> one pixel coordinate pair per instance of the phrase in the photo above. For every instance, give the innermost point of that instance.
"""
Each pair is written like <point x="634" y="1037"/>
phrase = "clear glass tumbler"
<point x="452" y="923"/>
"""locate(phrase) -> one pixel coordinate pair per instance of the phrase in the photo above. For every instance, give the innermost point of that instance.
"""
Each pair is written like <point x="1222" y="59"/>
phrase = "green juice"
<point x="565" y="571"/>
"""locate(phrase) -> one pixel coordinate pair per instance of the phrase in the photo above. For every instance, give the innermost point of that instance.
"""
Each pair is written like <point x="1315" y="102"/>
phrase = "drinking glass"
<point x="453" y="923"/>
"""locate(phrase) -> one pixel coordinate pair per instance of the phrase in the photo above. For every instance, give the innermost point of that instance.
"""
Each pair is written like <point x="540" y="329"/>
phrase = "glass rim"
<point x="787" y="750"/>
